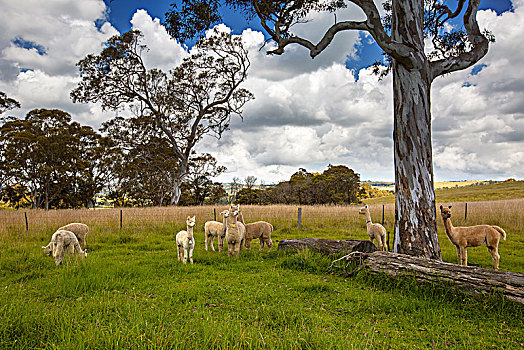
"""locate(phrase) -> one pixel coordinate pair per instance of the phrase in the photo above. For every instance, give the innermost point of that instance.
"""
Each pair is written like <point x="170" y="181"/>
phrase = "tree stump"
<point x="328" y="246"/>
<point x="469" y="279"/>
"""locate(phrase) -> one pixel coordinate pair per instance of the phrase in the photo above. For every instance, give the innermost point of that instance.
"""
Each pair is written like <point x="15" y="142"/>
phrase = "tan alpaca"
<point x="473" y="236"/>
<point x="63" y="242"/>
<point x="235" y="233"/>
<point x="376" y="231"/>
<point x="260" y="229"/>
<point x="217" y="229"/>
<point x="80" y="231"/>
<point x="185" y="242"/>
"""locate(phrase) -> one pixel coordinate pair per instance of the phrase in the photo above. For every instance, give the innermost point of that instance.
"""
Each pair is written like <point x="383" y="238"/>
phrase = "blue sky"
<point x="307" y="113"/>
<point x="121" y="12"/>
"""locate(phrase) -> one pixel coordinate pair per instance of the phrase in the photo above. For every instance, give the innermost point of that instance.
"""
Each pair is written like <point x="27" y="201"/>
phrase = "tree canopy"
<point x="196" y="98"/>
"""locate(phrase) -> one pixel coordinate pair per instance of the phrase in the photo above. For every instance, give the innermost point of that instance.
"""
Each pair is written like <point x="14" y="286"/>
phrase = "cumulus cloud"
<point x="307" y="113"/>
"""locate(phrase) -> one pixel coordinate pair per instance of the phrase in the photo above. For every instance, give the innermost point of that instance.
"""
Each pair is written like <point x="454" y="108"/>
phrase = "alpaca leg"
<point x="211" y="242"/>
<point x="58" y="253"/>
<point x="459" y="256"/>
<point x="384" y="243"/>
<point x="185" y="256"/>
<point x="465" y="256"/>
<point x="238" y="246"/>
<point x="261" y="243"/>
<point x="70" y="249"/>
<point x="229" y="249"/>
<point x="269" y="244"/>
<point x="191" y="255"/>
<point x="178" y="253"/>
<point x="379" y="243"/>
<point x="80" y="252"/>
<point x="220" y="243"/>
<point x="495" y="257"/>
<point x="248" y="245"/>
<point x="208" y="238"/>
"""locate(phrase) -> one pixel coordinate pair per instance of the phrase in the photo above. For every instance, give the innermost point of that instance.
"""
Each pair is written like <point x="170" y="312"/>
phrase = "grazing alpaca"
<point x="63" y="241"/>
<point x="185" y="242"/>
<point x="473" y="236"/>
<point x="376" y="231"/>
<point x="235" y="233"/>
<point x="80" y="231"/>
<point x="217" y="229"/>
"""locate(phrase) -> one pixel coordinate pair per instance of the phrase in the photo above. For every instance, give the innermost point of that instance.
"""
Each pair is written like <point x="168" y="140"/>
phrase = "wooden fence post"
<point x="26" y="223"/>
<point x="382" y="214"/>
<point x="215" y="213"/>
<point x="299" y="221"/>
<point x="466" y="212"/>
<point x="120" y="218"/>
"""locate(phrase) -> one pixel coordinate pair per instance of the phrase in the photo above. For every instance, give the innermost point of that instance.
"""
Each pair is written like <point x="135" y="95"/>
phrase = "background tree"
<point x="59" y="162"/>
<point x="198" y="182"/>
<point x="250" y="181"/>
<point x="194" y="99"/>
<point x="7" y="103"/>
<point x="401" y="34"/>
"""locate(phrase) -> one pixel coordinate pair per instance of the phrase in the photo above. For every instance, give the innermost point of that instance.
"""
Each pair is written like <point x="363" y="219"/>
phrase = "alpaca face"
<point x="190" y="221"/>
<point x="445" y="212"/>
<point x="363" y="210"/>
<point x="48" y="249"/>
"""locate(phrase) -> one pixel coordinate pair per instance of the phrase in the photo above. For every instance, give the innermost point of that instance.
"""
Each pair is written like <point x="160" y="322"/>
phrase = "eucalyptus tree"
<point x="196" y="98"/>
<point x="7" y="103"/>
<point x="402" y="35"/>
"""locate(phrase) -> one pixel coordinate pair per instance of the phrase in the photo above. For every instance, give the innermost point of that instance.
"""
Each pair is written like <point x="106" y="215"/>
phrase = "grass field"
<point x="130" y="292"/>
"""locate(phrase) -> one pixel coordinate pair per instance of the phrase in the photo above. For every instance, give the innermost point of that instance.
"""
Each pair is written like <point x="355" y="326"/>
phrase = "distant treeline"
<point x="49" y="161"/>
<point x="336" y="185"/>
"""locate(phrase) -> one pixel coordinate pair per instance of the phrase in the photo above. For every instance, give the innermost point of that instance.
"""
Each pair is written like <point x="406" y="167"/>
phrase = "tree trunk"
<point x="328" y="246"/>
<point x="415" y="213"/>
<point x="468" y="279"/>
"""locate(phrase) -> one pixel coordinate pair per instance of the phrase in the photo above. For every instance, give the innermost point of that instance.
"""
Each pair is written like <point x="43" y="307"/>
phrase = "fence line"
<point x="496" y="212"/>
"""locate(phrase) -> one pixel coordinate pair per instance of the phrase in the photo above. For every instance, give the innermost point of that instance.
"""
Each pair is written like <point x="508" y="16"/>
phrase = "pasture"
<point x="130" y="292"/>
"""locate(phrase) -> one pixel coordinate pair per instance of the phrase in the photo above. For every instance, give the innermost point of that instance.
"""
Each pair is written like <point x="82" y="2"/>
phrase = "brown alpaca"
<point x="260" y="229"/>
<point x="472" y="236"/>
<point x="376" y="231"/>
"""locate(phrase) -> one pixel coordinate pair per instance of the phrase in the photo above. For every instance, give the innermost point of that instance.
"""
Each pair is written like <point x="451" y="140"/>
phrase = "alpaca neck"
<point x="190" y="232"/>
<point x="368" y="218"/>
<point x="240" y="217"/>
<point x="449" y="227"/>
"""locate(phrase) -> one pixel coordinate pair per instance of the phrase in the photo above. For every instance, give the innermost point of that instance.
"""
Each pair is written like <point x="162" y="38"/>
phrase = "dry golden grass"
<point x="508" y="214"/>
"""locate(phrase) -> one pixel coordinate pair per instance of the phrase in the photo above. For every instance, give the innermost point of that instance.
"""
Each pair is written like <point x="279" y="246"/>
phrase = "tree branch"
<point x="478" y="41"/>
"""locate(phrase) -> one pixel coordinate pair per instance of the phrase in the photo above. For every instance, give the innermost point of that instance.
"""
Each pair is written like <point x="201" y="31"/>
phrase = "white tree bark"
<point x="415" y="214"/>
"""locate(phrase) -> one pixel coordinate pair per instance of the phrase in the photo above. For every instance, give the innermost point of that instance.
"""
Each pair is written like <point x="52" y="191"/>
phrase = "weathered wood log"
<point x="328" y="246"/>
<point x="469" y="279"/>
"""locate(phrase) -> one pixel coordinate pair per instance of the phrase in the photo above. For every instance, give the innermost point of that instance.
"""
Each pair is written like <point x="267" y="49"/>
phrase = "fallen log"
<point x="328" y="246"/>
<point x="469" y="279"/>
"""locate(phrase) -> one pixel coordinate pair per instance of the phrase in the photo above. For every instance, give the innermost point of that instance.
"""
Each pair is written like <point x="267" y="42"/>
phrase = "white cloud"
<point x="307" y="113"/>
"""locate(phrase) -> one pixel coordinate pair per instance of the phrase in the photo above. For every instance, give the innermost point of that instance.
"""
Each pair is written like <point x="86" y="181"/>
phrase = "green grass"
<point x="131" y="293"/>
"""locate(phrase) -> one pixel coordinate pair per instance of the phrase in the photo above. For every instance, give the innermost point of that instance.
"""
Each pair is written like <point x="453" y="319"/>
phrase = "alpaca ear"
<point x="449" y="207"/>
<point x="441" y="207"/>
<point x="43" y="247"/>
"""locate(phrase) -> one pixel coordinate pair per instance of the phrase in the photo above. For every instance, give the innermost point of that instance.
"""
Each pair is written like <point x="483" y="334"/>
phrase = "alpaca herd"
<point x="234" y="231"/>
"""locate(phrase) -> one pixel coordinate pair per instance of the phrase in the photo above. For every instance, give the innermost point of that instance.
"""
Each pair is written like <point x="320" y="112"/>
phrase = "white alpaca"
<point x="80" y="231"/>
<point x="217" y="229"/>
<point x="185" y="242"/>
<point x="375" y="231"/>
<point x="473" y="236"/>
<point x="63" y="241"/>
<point x="235" y="233"/>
